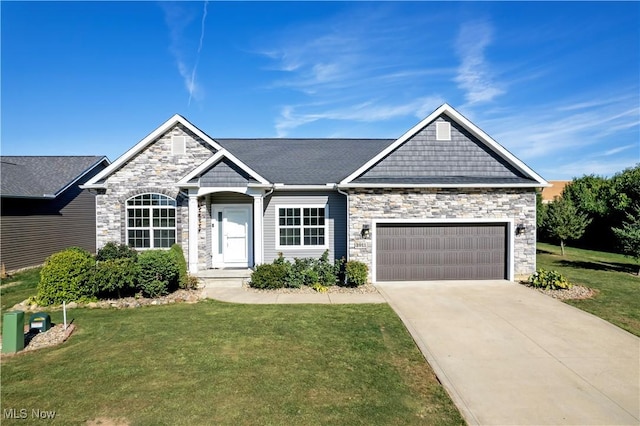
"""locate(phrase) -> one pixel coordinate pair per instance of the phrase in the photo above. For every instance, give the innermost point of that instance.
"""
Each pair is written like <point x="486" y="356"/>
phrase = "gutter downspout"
<point x="346" y="194"/>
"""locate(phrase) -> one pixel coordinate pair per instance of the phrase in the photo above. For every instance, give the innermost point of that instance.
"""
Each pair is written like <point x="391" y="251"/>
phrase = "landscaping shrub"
<point x="549" y="280"/>
<point x="113" y="250"/>
<point x="183" y="276"/>
<point x="356" y="273"/>
<point x="325" y="270"/>
<point x="338" y="270"/>
<point x="158" y="274"/>
<point x="65" y="276"/>
<point x="270" y="275"/>
<point x="297" y="276"/>
<point x="115" y="277"/>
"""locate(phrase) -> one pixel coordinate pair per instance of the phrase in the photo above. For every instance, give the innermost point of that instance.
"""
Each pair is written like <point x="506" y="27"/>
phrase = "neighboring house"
<point x="554" y="190"/>
<point x="44" y="210"/>
<point x="443" y="201"/>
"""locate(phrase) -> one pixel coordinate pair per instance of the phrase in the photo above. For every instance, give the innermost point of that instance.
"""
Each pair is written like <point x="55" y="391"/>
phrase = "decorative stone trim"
<point x="517" y="205"/>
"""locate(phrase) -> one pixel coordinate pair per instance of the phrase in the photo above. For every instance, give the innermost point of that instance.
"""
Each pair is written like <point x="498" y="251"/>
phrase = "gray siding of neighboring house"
<point x="423" y="156"/>
<point x="34" y="229"/>
<point x="337" y="218"/>
<point x="225" y="173"/>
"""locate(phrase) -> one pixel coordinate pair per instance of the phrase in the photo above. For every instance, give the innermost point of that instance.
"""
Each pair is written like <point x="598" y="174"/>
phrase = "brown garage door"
<point x="417" y="252"/>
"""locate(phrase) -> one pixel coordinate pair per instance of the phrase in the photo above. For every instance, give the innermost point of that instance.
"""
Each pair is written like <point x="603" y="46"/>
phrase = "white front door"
<point x="231" y="236"/>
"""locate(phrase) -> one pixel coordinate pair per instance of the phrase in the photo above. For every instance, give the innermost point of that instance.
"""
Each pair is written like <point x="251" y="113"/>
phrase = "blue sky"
<point x="556" y="83"/>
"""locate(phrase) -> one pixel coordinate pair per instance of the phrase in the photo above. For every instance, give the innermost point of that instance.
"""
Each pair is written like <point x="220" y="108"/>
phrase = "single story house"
<point x="443" y="201"/>
<point x="44" y="210"/>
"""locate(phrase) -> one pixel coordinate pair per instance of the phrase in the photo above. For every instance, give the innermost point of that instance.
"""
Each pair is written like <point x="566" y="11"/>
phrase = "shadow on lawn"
<point x="599" y="266"/>
<point x="540" y="251"/>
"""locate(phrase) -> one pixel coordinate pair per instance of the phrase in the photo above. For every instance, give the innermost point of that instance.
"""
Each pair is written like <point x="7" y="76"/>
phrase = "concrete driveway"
<point x="509" y="355"/>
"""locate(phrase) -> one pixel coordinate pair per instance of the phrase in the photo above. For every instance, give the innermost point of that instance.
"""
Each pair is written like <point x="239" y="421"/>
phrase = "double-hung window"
<point x="302" y="226"/>
<point x="151" y="221"/>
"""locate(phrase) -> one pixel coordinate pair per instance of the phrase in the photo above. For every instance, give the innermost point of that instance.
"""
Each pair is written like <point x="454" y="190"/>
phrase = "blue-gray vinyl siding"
<point x="225" y="174"/>
<point x="336" y="217"/>
<point x="423" y="158"/>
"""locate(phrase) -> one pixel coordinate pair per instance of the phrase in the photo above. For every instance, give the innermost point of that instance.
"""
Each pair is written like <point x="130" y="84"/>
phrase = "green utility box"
<point x="40" y="321"/>
<point x="12" y="332"/>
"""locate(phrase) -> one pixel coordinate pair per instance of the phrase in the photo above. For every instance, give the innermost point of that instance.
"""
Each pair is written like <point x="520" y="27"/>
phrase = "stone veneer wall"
<point x="155" y="169"/>
<point x="426" y="203"/>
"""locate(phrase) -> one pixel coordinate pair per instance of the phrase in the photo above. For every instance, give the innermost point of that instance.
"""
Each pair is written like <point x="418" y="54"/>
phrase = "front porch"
<point x="214" y="278"/>
<point x="228" y="225"/>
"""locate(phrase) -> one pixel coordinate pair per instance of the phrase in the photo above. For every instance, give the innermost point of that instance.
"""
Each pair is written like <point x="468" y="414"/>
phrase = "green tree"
<point x="589" y="194"/>
<point x="541" y="210"/>
<point x="629" y="235"/>
<point x="625" y="192"/>
<point x="564" y="221"/>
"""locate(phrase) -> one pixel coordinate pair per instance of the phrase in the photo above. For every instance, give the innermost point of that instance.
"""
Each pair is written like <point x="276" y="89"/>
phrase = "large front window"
<point x="151" y="221"/>
<point x="301" y="226"/>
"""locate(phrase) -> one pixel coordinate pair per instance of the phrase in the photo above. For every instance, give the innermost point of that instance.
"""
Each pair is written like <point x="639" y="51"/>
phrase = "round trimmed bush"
<point x="158" y="273"/>
<point x="66" y="276"/>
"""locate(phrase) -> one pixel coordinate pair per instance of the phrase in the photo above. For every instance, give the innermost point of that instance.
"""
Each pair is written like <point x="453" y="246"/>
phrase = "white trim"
<point x="182" y="145"/>
<point x="218" y="261"/>
<point x="461" y="120"/>
<point x="96" y="164"/>
<point x="443" y="131"/>
<point x="287" y="187"/>
<point x="150" y="228"/>
<point x="217" y="157"/>
<point x="258" y="237"/>
<point x="301" y="207"/>
<point x="137" y="148"/>
<point x="193" y="232"/>
<point x="442" y="185"/>
<point x="510" y="237"/>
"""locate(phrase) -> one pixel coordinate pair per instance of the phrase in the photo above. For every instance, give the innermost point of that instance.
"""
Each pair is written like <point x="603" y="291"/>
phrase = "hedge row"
<point x="116" y="271"/>
<point x="316" y="273"/>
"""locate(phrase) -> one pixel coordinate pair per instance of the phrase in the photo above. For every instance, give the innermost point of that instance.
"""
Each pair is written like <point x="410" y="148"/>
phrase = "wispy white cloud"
<point x="621" y="149"/>
<point x="355" y="66"/>
<point x="178" y="18"/>
<point x="474" y="73"/>
<point x="292" y="117"/>
<point x="596" y="132"/>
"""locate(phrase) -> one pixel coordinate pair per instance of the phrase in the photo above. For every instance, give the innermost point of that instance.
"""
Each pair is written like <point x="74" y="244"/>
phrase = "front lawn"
<point x="218" y="363"/>
<point x="613" y="275"/>
<point x="17" y="288"/>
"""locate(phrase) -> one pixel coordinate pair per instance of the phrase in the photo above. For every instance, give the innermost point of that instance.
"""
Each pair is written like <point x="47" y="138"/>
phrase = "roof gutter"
<point x="444" y="185"/>
<point x="286" y="187"/>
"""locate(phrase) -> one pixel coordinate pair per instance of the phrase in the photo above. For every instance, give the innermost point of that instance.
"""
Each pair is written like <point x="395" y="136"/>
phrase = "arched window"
<point x="151" y="221"/>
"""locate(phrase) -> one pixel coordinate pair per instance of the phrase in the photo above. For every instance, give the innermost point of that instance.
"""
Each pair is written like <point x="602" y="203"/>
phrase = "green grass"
<point x="613" y="275"/>
<point x="17" y="288"/>
<point x="218" y="363"/>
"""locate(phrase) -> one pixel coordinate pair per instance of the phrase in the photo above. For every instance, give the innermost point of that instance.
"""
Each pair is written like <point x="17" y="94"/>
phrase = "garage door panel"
<point x="440" y="251"/>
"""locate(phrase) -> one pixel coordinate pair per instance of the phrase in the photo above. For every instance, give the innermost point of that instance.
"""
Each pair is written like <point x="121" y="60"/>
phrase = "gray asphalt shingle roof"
<point x="42" y="176"/>
<point x="304" y="161"/>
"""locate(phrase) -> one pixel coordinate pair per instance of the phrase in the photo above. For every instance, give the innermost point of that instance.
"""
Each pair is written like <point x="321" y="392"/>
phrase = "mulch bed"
<point x="575" y="292"/>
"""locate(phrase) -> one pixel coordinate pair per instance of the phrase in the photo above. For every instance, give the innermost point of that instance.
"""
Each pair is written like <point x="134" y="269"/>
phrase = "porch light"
<point x="520" y="229"/>
<point x="366" y="231"/>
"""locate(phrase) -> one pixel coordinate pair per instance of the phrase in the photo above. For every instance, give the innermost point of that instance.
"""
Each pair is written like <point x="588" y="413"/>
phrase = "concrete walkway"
<point x="240" y="295"/>
<point x="509" y="355"/>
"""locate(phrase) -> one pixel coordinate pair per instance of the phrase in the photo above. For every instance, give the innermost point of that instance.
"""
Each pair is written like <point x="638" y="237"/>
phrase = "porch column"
<point x="193" y="232"/>
<point x="258" y="253"/>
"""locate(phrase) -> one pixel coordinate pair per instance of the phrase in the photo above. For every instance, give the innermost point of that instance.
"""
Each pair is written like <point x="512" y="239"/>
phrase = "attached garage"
<point x="441" y="251"/>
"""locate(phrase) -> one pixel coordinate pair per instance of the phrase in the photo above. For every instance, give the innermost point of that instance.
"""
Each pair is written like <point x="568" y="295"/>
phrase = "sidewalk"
<point x="240" y="295"/>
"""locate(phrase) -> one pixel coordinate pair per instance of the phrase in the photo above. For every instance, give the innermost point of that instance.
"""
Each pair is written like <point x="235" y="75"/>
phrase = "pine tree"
<point x="629" y="235"/>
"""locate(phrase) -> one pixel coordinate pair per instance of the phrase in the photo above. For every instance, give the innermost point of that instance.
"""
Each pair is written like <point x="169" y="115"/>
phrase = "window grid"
<point x="151" y="221"/>
<point x="301" y="226"/>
